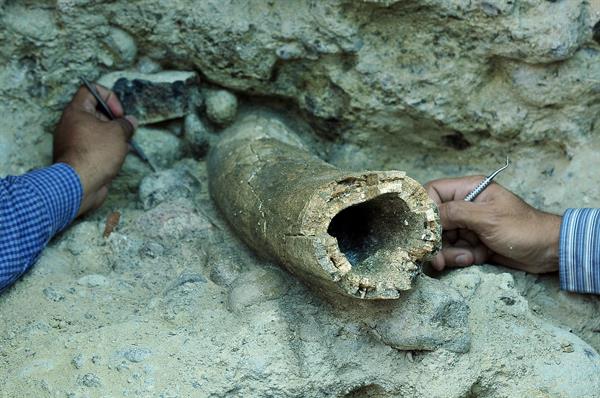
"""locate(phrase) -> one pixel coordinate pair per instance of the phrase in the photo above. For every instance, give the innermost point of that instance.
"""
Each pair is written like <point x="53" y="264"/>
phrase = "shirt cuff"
<point x="580" y="251"/>
<point x="60" y="190"/>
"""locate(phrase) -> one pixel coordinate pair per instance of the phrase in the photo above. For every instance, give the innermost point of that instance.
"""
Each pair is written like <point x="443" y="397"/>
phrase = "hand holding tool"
<point x="105" y="109"/>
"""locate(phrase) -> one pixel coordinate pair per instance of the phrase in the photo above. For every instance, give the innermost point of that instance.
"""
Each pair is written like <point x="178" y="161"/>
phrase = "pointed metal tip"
<point x="86" y="83"/>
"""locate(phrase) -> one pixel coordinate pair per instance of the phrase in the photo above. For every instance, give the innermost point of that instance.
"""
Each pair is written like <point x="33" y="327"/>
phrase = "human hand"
<point x="498" y="227"/>
<point x="92" y="144"/>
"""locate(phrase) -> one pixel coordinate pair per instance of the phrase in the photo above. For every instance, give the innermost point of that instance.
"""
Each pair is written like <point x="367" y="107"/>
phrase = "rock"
<point x="430" y="316"/>
<point x="89" y="380"/>
<point x="122" y="45"/>
<point x="147" y="65"/>
<point x="175" y="126"/>
<point x="151" y="249"/>
<point x="177" y="220"/>
<point x="383" y="82"/>
<point x="161" y="147"/>
<point x="19" y="18"/>
<point x="53" y="294"/>
<point x="157" y="97"/>
<point x="93" y="280"/>
<point x="290" y="51"/>
<point x="255" y="287"/>
<point x="187" y="277"/>
<point x="167" y="185"/>
<point x="137" y="354"/>
<point x="167" y="77"/>
<point x="221" y="107"/>
<point x="224" y="271"/>
<point x="196" y="134"/>
<point x="78" y="361"/>
<point x="81" y="237"/>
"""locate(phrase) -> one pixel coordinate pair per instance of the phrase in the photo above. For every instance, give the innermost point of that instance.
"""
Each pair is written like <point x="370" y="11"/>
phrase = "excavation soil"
<point x="172" y="304"/>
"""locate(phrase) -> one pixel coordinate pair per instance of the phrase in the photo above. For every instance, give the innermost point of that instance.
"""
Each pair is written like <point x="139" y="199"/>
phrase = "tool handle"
<point x="478" y="189"/>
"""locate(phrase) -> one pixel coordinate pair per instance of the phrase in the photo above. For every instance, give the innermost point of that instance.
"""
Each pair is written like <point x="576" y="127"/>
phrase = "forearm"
<point x="580" y="251"/>
<point x="33" y="208"/>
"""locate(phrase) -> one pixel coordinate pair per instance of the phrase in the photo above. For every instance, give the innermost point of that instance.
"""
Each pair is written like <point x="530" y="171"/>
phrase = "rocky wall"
<point x="171" y="304"/>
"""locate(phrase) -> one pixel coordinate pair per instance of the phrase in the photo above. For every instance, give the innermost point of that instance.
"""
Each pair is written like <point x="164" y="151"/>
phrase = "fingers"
<point x="449" y="189"/>
<point x="450" y="236"/>
<point x="461" y="255"/>
<point x="127" y="125"/>
<point x="468" y="236"/>
<point x="460" y="214"/>
<point x="85" y="100"/>
<point x="111" y="100"/>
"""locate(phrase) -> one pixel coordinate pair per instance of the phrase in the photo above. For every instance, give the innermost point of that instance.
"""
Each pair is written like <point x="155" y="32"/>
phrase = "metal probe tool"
<point x="108" y="113"/>
<point x="484" y="184"/>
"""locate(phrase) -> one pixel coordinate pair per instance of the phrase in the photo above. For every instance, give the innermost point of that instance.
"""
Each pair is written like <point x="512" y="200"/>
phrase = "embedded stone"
<point x="221" y="107"/>
<point x="157" y="97"/>
<point x="161" y="147"/>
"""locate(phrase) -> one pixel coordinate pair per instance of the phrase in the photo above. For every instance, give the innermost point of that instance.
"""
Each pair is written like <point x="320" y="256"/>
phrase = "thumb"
<point x="127" y="125"/>
<point x="461" y="214"/>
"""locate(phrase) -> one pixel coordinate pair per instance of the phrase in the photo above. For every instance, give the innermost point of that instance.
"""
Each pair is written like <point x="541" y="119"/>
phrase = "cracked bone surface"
<point x="361" y="234"/>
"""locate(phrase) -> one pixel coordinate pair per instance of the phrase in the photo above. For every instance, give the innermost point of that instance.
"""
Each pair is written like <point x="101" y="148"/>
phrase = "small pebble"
<point x="77" y="361"/>
<point x="221" y="107"/>
<point x="52" y="294"/>
<point x="255" y="287"/>
<point x="567" y="347"/>
<point x="122" y="45"/>
<point x="508" y="300"/>
<point x="196" y="134"/>
<point x="162" y="147"/>
<point x="93" y="280"/>
<point x="89" y="380"/>
<point x="188" y="277"/>
<point x="136" y="354"/>
<point x="151" y="249"/>
<point x="166" y="185"/>
<point x="224" y="271"/>
<point x="290" y="51"/>
<point x="147" y="65"/>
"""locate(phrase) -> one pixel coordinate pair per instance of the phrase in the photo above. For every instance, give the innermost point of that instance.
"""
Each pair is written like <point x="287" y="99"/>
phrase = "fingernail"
<point x="134" y="122"/>
<point x="463" y="260"/>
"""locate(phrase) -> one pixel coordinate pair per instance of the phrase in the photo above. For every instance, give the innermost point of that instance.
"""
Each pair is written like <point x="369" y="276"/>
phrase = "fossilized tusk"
<point x="361" y="234"/>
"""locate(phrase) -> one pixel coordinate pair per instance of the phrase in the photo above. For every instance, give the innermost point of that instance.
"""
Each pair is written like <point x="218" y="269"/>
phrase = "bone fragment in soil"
<point x="360" y="234"/>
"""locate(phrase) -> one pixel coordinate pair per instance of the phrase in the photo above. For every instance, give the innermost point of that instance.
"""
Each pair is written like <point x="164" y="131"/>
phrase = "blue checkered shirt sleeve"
<point x="580" y="251"/>
<point x="33" y="208"/>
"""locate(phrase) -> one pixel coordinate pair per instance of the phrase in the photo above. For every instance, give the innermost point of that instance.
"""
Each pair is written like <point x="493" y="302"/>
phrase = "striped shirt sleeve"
<point x="33" y="208"/>
<point x="580" y="251"/>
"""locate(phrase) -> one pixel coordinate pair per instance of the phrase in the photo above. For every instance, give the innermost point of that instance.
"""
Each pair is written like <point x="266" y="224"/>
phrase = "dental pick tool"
<point x="108" y="113"/>
<point x="485" y="183"/>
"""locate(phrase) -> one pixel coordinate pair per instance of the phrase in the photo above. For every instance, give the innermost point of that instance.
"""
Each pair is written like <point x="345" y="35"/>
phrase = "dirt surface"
<point x="172" y="304"/>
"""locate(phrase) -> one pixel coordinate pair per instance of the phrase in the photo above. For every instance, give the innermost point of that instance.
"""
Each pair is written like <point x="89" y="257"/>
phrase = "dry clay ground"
<point x="171" y="304"/>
